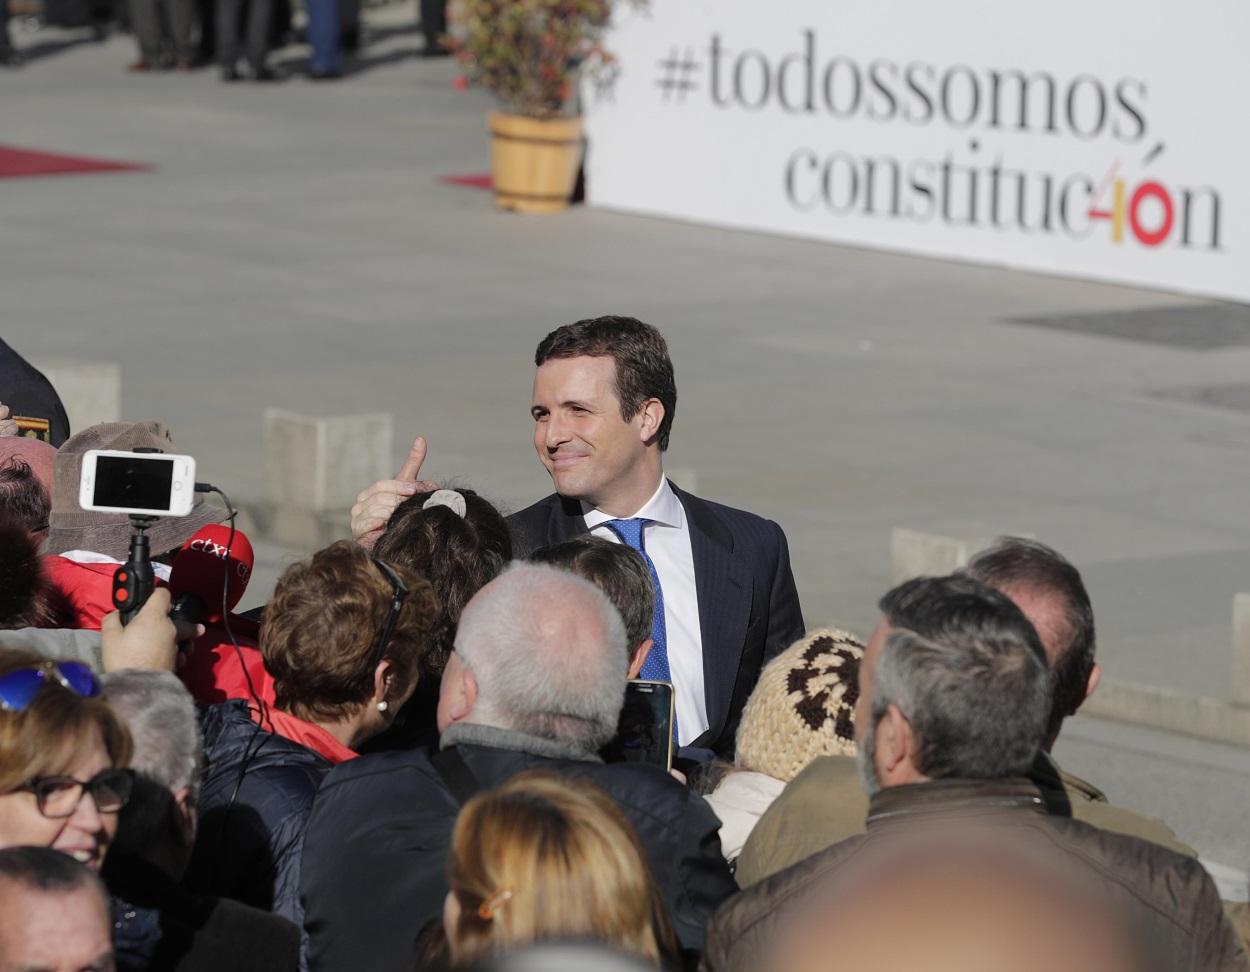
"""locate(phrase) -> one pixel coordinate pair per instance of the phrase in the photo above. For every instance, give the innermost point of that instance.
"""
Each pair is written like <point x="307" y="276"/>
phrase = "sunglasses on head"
<point x="19" y="688"/>
<point x="399" y="593"/>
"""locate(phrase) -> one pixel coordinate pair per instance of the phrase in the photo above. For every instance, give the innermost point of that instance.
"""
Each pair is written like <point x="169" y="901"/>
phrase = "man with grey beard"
<point x="954" y="705"/>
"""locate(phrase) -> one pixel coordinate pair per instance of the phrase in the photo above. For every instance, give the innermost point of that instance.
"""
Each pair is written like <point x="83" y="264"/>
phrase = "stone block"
<point x="91" y="391"/>
<point x="1241" y="648"/>
<point x="320" y="463"/>
<point x="914" y="553"/>
<point x="1202" y="717"/>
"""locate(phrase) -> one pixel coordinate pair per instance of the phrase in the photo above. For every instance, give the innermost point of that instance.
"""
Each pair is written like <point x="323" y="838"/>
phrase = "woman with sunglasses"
<point x="341" y="640"/>
<point x="63" y="758"/>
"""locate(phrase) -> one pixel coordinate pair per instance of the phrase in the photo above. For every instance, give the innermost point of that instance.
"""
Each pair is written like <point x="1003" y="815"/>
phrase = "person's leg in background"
<point x="326" y="60"/>
<point x="208" y="31"/>
<point x="181" y="14"/>
<point x="8" y="54"/>
<point x="434" y="26"/>
<point x="259" y="18"/>
<point x="349" y="25"/>
<point x="226" y="38"/>
<point x="145" y="21"/>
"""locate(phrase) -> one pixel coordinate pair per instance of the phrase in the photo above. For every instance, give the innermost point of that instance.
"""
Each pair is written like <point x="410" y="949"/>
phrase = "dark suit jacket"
<point x="748" y="605"/>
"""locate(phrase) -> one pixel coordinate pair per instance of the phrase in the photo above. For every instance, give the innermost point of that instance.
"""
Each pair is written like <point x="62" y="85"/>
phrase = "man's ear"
<point x="466" y="697"/>
<point x="896" y="748"/>
<point x="652" y="413"/>
<point x="1091" y="683"/>
<point x="185" y="817"/>
<point x="639" y="658"/>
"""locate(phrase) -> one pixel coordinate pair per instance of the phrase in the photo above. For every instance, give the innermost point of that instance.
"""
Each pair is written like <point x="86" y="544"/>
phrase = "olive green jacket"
<point x="826" y="803"/>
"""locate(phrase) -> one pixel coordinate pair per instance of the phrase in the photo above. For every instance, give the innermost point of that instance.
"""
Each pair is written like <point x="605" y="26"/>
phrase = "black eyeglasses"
<point x="397" y="603"/>
<point x="58" y="796"/>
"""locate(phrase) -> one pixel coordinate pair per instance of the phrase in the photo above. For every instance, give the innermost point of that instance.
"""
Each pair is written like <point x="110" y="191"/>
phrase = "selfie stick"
<point x="134" y="580"/>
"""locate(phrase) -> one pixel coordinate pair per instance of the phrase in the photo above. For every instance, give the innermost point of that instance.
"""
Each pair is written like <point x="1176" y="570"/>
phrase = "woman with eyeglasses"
<point x="342" y="641"/>
<point x="63" y="758"/>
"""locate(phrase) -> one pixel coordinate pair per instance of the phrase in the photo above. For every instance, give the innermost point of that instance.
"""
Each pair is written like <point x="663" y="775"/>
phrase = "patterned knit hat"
<point x="802" y="706"/>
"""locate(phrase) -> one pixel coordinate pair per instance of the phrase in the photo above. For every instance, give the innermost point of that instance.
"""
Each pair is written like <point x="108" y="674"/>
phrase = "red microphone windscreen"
<point x="205" y="563"/>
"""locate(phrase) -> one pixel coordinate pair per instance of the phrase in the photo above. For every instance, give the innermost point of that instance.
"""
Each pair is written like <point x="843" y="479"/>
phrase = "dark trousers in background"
<point x="256" y="29"/>
<point x="6" y="45"/>
<point x="146" y="18"/>
<point x="433" y="20"/>
<point x="349" y="24"/>
<point x="323" y="36"/>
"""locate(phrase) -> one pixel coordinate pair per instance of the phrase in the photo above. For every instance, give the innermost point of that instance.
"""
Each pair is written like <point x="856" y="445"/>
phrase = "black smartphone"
<point x="645" y="732"/>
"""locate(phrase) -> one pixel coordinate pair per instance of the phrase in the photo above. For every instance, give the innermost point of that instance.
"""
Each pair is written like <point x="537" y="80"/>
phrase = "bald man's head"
<point x="547" y="651"/>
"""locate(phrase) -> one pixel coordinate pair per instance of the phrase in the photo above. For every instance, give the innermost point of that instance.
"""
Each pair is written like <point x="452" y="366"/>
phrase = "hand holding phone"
<point x="645" y="731"/>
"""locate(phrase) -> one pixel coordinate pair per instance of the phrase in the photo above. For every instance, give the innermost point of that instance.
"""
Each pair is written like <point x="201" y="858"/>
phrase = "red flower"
<point x="460" y="82"/>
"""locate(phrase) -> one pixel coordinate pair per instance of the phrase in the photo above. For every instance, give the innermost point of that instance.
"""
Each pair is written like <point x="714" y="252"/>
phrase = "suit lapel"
<point x="723" y="585"/>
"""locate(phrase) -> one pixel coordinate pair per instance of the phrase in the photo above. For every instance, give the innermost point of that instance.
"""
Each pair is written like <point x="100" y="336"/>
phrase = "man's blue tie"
<point x="655" y="667"/>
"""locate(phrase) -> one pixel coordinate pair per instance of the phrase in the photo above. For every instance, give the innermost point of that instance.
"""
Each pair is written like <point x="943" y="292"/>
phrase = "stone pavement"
<point x="293" y="248"/>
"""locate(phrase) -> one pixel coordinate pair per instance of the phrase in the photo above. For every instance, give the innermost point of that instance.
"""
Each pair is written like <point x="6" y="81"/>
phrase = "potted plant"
<point x="528" y="53"/>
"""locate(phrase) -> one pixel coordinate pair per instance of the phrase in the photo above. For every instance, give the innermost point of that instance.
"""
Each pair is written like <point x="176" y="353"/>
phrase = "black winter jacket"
<point x="248" y="844"/>
<point x="375" y="853"/>
<point x="159" y="927"/>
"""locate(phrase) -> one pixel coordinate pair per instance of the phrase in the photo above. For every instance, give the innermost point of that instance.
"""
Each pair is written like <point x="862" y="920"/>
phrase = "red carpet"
<point x="16" y="163"/>
<point x="471" y="181"/>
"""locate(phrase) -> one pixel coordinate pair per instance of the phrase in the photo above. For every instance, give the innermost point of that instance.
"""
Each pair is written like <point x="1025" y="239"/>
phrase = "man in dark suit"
<point x="603" y="405"/>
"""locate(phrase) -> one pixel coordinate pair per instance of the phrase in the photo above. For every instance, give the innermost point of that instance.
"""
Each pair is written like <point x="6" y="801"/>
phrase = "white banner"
<point x="1097" y="138"/>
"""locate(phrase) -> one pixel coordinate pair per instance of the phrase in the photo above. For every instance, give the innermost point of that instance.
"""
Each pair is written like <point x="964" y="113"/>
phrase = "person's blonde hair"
<point x="544" y="857"/>
<point x="44" y="738"/>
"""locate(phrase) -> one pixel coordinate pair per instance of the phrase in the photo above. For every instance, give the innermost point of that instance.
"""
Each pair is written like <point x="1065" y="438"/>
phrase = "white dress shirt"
<point x="667" y="541"/>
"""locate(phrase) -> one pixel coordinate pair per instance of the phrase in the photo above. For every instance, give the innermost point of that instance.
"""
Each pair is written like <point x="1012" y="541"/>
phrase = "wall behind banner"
<point x="1105" y="139"/>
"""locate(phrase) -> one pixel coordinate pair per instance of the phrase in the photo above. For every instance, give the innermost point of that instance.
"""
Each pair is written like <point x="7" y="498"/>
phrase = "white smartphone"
<point x="139" y="483"/>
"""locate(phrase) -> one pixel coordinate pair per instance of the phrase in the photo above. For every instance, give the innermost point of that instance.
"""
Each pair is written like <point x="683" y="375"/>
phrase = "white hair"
<point x="160" y="714"/>
<point x="548" y="652"/>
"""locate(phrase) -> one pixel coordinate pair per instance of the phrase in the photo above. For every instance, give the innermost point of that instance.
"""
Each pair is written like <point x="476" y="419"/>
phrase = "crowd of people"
<point x="399" y="761"/>
<point x="238" y="36"/>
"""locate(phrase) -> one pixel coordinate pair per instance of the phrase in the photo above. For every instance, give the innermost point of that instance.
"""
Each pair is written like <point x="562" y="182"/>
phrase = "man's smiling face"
<point x="591" y="452"/>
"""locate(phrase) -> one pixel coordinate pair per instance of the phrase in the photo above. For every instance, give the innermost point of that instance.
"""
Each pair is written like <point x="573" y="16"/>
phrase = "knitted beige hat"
<point x="802" y="706"/>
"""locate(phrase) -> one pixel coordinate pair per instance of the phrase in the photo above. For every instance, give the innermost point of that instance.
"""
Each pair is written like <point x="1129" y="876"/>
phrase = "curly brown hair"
<point x="321" y="629"/>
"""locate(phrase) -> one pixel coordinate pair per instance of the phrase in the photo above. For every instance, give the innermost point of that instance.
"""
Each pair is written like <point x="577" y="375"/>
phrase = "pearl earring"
<point x="383" y="705"/>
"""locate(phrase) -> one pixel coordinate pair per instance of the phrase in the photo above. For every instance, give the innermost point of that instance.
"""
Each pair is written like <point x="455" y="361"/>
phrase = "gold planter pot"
<point x="534" y="161"/>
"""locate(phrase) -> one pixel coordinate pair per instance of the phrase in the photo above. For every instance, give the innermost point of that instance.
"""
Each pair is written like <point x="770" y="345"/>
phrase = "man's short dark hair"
<point x="43" y="869"/>
<point x="616" y="569"/>
<point x="23" y="495"/>
<point x="643" y="367"/>
<point x="1014" y="562"/>
<point x="966" y="669"/>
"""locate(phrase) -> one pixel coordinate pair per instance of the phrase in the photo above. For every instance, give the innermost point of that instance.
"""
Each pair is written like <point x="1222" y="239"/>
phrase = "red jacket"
<point x="211" y="669"/>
